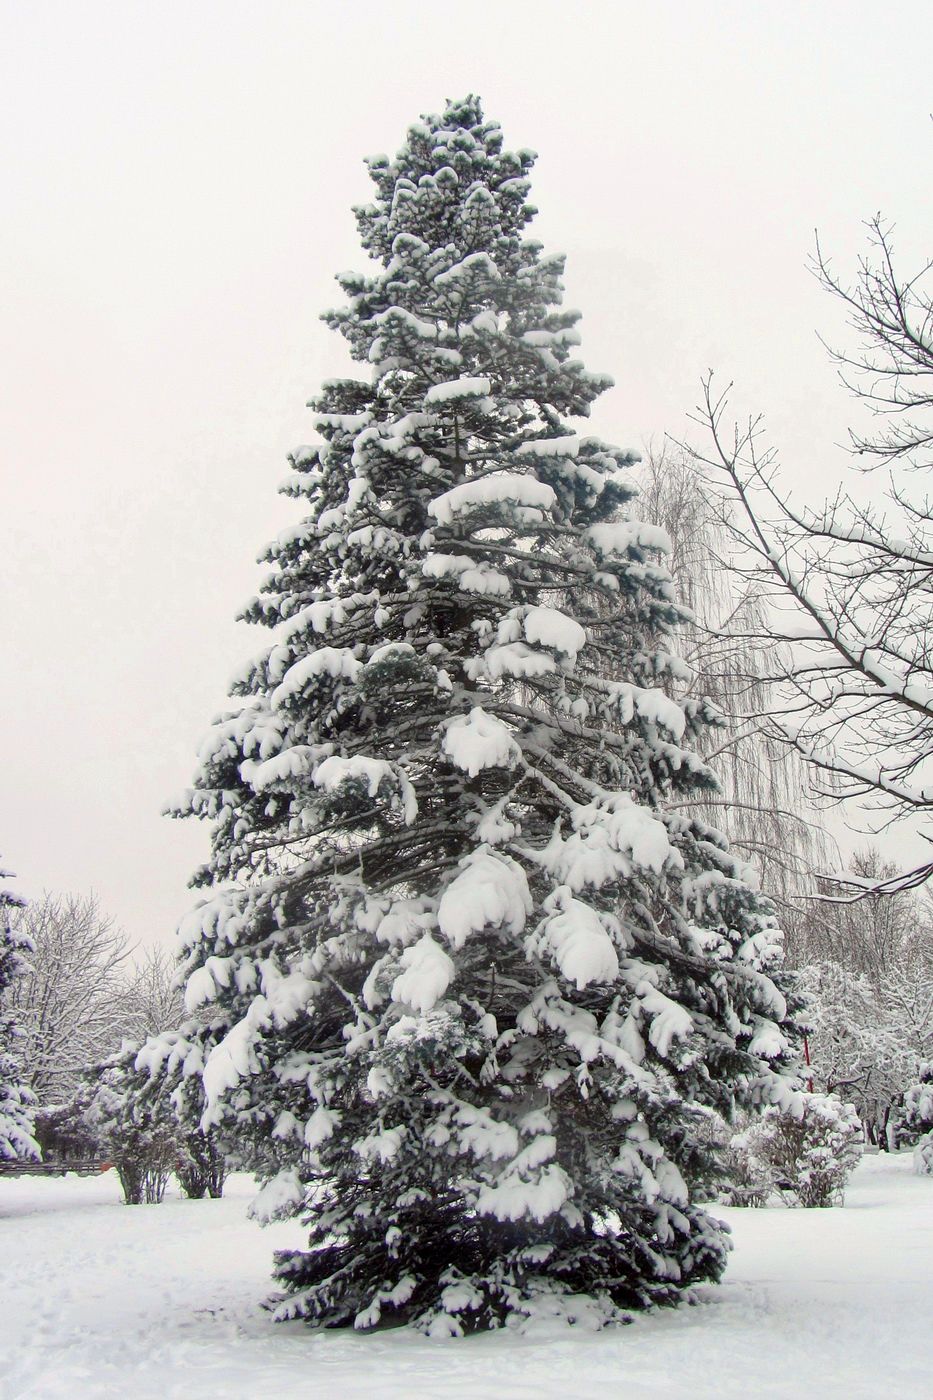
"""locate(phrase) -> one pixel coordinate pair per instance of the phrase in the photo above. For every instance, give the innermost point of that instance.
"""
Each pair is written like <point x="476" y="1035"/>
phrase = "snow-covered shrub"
<point x="471" y="971"/>
<point x="201" y="1168"/>
<point x="807" y="1153"/>
<point x="745" y="1179"/>
<point x="134" y="1129"/>
<point x="63" y="1134"/>
<point x="143" y="1109"/>
<point x="17" y="1103"/>
<point x="169" y="1067"/>
<point x="923" y="1156"/>
<point x="916" y="1116"/>
<point x="915" y="1128"/>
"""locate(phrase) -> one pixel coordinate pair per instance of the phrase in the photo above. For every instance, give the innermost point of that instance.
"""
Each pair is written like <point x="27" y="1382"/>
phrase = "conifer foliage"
<point x="466" y="985"/>
<point x="17" y="1103"/>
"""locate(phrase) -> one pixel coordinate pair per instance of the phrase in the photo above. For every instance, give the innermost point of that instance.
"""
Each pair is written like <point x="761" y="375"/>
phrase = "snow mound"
<point x="428" y="971"/>
<point x="512" y="489"/>
<point x="473" y="576"/>
<point x="479" y="740"/>
<point x="336" y="662"/>
<point x="619" y="537"/>
<point x="491" y="889"/>
<point x="513" y="659"/>
<point x="465" y="388"/>
<point x="549" y="447"/>
<point x="512" y="1198"/>
<point x="575" y="936"/>
<point x="611" y="837"/>
<point x="554" y="629"/>
<point x="669" y="1020"/>
<point x="335" y="771"/>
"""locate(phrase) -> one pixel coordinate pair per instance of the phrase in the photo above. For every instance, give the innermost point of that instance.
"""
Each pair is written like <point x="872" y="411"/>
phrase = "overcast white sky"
<point x="177" y="181"/>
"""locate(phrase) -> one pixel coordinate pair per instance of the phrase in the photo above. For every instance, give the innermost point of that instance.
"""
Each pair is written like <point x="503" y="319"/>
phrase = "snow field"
<point x="103" y="1300"/>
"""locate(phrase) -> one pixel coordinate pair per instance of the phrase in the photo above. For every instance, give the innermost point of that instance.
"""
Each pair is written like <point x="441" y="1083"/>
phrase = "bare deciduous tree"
<point x="873" y="936"/>
<point x="848" y="588"/>
<point x="71" y="1001"/>
<point x="891" y="368"/>
<point x="152" y="1000"/>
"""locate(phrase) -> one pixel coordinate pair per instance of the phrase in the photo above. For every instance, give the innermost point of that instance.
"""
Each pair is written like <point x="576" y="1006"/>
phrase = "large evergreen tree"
<point x="17" y="1104"/>
<point x="465" y="985"/>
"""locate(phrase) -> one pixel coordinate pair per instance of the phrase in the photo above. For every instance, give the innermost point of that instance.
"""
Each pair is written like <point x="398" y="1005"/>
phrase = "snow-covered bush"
<point x="923" y="1156"/>
<point x="134" y="1130"/>
<point x="143" y="1108"/>
<point x="63" y="1134"/>
<point x="915" y="1128"/>
<point x="168" y="1067"/>
<point x="916" y="1117"/>
<point x="17" y="1103"/>
<point x="201" y="1168"/>
<point x="745" y="1180"/>
<point x="471" y="974"/>
<point x="807" y="1153"/>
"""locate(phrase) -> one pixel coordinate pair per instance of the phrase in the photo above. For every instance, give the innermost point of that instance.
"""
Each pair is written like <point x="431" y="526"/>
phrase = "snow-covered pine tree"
<point x="466" y="984"/>
<point x="17" y="1103"/>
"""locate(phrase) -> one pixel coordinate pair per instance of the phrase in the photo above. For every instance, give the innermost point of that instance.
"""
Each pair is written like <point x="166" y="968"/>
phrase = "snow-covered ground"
<point x="98" y="1299"/>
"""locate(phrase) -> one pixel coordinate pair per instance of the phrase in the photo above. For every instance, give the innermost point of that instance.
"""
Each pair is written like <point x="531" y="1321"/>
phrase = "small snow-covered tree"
<point x="468" y="980"/>
<point x="141" y="1110"/>
<point x="17" y="1103"/>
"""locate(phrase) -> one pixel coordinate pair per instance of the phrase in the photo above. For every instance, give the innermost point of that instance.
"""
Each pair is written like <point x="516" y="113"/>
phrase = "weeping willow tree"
<point x="763" y="803"/>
